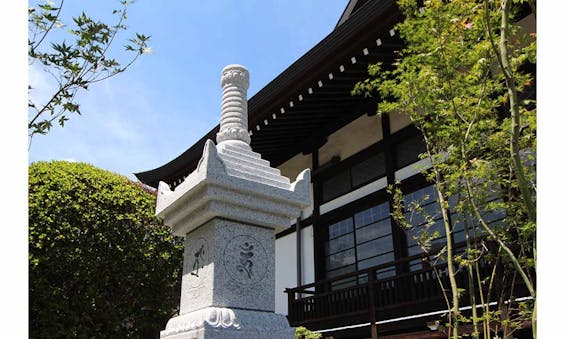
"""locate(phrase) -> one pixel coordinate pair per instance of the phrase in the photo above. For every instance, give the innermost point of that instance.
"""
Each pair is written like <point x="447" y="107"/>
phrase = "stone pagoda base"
<point x="225" y="323"/>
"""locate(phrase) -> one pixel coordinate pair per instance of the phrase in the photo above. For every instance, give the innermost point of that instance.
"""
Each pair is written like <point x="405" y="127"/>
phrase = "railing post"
<point x="372" y="311"/>
<point x="291" y="303"/>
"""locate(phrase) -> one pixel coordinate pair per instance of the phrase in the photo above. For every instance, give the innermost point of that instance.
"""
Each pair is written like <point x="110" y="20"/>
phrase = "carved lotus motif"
<point x="235" y="75"/>
<point x="234" y="134"/>
<point x="218" y="317"/>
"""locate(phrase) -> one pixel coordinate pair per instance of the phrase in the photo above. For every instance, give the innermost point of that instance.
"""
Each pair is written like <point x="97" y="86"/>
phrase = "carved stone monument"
<point x="229" y="210"/>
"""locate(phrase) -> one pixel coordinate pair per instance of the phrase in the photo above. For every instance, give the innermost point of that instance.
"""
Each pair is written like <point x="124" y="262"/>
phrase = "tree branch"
<point x="50" y="26"/>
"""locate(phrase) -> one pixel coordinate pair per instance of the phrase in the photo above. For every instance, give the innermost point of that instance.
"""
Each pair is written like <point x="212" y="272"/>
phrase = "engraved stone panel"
<point x="245" y="277"/>
<point x="198" y="270"/>
<point x="245" y="260"/>
<point x="197" y="253"/>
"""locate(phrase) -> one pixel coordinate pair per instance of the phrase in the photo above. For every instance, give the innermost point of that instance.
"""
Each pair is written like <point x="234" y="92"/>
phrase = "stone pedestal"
<point x="225" y="323"/>
<point x="229" y="210"/>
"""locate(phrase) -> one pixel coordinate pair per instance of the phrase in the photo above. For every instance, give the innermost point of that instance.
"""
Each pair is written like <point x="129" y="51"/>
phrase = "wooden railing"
<point x="370" y="298"/>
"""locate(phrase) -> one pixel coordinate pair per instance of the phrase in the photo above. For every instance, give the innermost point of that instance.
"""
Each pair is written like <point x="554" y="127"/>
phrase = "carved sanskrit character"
<point x="245" y="255"/>
<point x="196" y="264"/>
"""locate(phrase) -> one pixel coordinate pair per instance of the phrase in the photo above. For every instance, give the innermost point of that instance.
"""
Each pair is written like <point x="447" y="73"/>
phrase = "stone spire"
<point x="233" y="122"/>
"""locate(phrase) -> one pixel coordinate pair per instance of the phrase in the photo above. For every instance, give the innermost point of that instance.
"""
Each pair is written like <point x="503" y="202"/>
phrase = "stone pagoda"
<point x="229" y="210"/>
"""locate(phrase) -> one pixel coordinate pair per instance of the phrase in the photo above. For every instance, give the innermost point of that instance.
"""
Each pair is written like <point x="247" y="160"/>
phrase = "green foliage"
<point x="101" y="265"/>
<point x="304" y="333"/>
<point x="74" y="65"/>
<point x="458" y="79"/>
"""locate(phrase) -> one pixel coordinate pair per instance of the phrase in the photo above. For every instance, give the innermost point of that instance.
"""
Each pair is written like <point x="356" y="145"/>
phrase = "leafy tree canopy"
<point x="101" y="264"/>
<point x="467" y="81"/>
<point x="76" y="54"/>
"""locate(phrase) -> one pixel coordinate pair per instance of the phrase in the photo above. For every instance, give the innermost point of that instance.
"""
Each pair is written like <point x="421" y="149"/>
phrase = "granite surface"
<point x="228" y="264"/>
<point x="228" y="323"/>
<point x="211" y="191"/>
<point x="229" y="210"/>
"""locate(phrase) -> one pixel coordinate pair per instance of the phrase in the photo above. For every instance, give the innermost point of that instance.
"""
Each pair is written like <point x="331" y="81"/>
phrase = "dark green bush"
<point x="101" y="265"/>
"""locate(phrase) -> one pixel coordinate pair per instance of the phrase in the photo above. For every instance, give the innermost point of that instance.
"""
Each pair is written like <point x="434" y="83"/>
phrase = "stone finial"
<point x="233" y="122"/>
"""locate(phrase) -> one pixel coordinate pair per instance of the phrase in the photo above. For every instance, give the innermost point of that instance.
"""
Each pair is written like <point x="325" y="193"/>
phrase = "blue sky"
<point x="169" y="99"/>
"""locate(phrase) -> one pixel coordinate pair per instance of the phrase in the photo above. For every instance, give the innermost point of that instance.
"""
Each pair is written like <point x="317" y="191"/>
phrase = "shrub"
<point x="304" y="333"/>
<point x="101" y="265"/>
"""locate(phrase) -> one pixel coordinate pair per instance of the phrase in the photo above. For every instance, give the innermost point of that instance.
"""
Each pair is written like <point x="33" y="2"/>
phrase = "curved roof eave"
<point x="373" y="15"/>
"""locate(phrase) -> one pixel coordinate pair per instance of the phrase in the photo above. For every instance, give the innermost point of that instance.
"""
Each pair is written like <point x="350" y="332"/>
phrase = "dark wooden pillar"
<point x="291" y="302"/>
<point x="318" y="234"/>
<point x="372" y="306"/>
<point x="298" y="252"/>
<point x="398" y="235"/>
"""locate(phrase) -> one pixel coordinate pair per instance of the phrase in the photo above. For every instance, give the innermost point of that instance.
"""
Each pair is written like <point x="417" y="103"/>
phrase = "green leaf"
<point x="89" y="233"/>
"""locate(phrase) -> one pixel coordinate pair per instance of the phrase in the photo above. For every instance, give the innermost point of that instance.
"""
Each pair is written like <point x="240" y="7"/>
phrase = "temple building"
<point x="344" y="267"/>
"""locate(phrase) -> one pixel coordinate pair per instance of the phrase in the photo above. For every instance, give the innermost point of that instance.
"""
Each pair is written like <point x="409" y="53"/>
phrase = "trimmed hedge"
<point x="101" y="265"/>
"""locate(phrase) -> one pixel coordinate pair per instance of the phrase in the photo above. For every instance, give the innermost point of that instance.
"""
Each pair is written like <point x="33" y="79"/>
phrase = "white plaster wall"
<point x="285" y="270"/>
<point x="352" y="138"/>
<point x="398" y="121"/>
<point x="293" y="166"/>
<point x="412" y="169"/>
<point x="353" y="195"/>
<point x="290" y="169"/>
<point x="308" y="272"/>
<point x="285" y="261"/>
